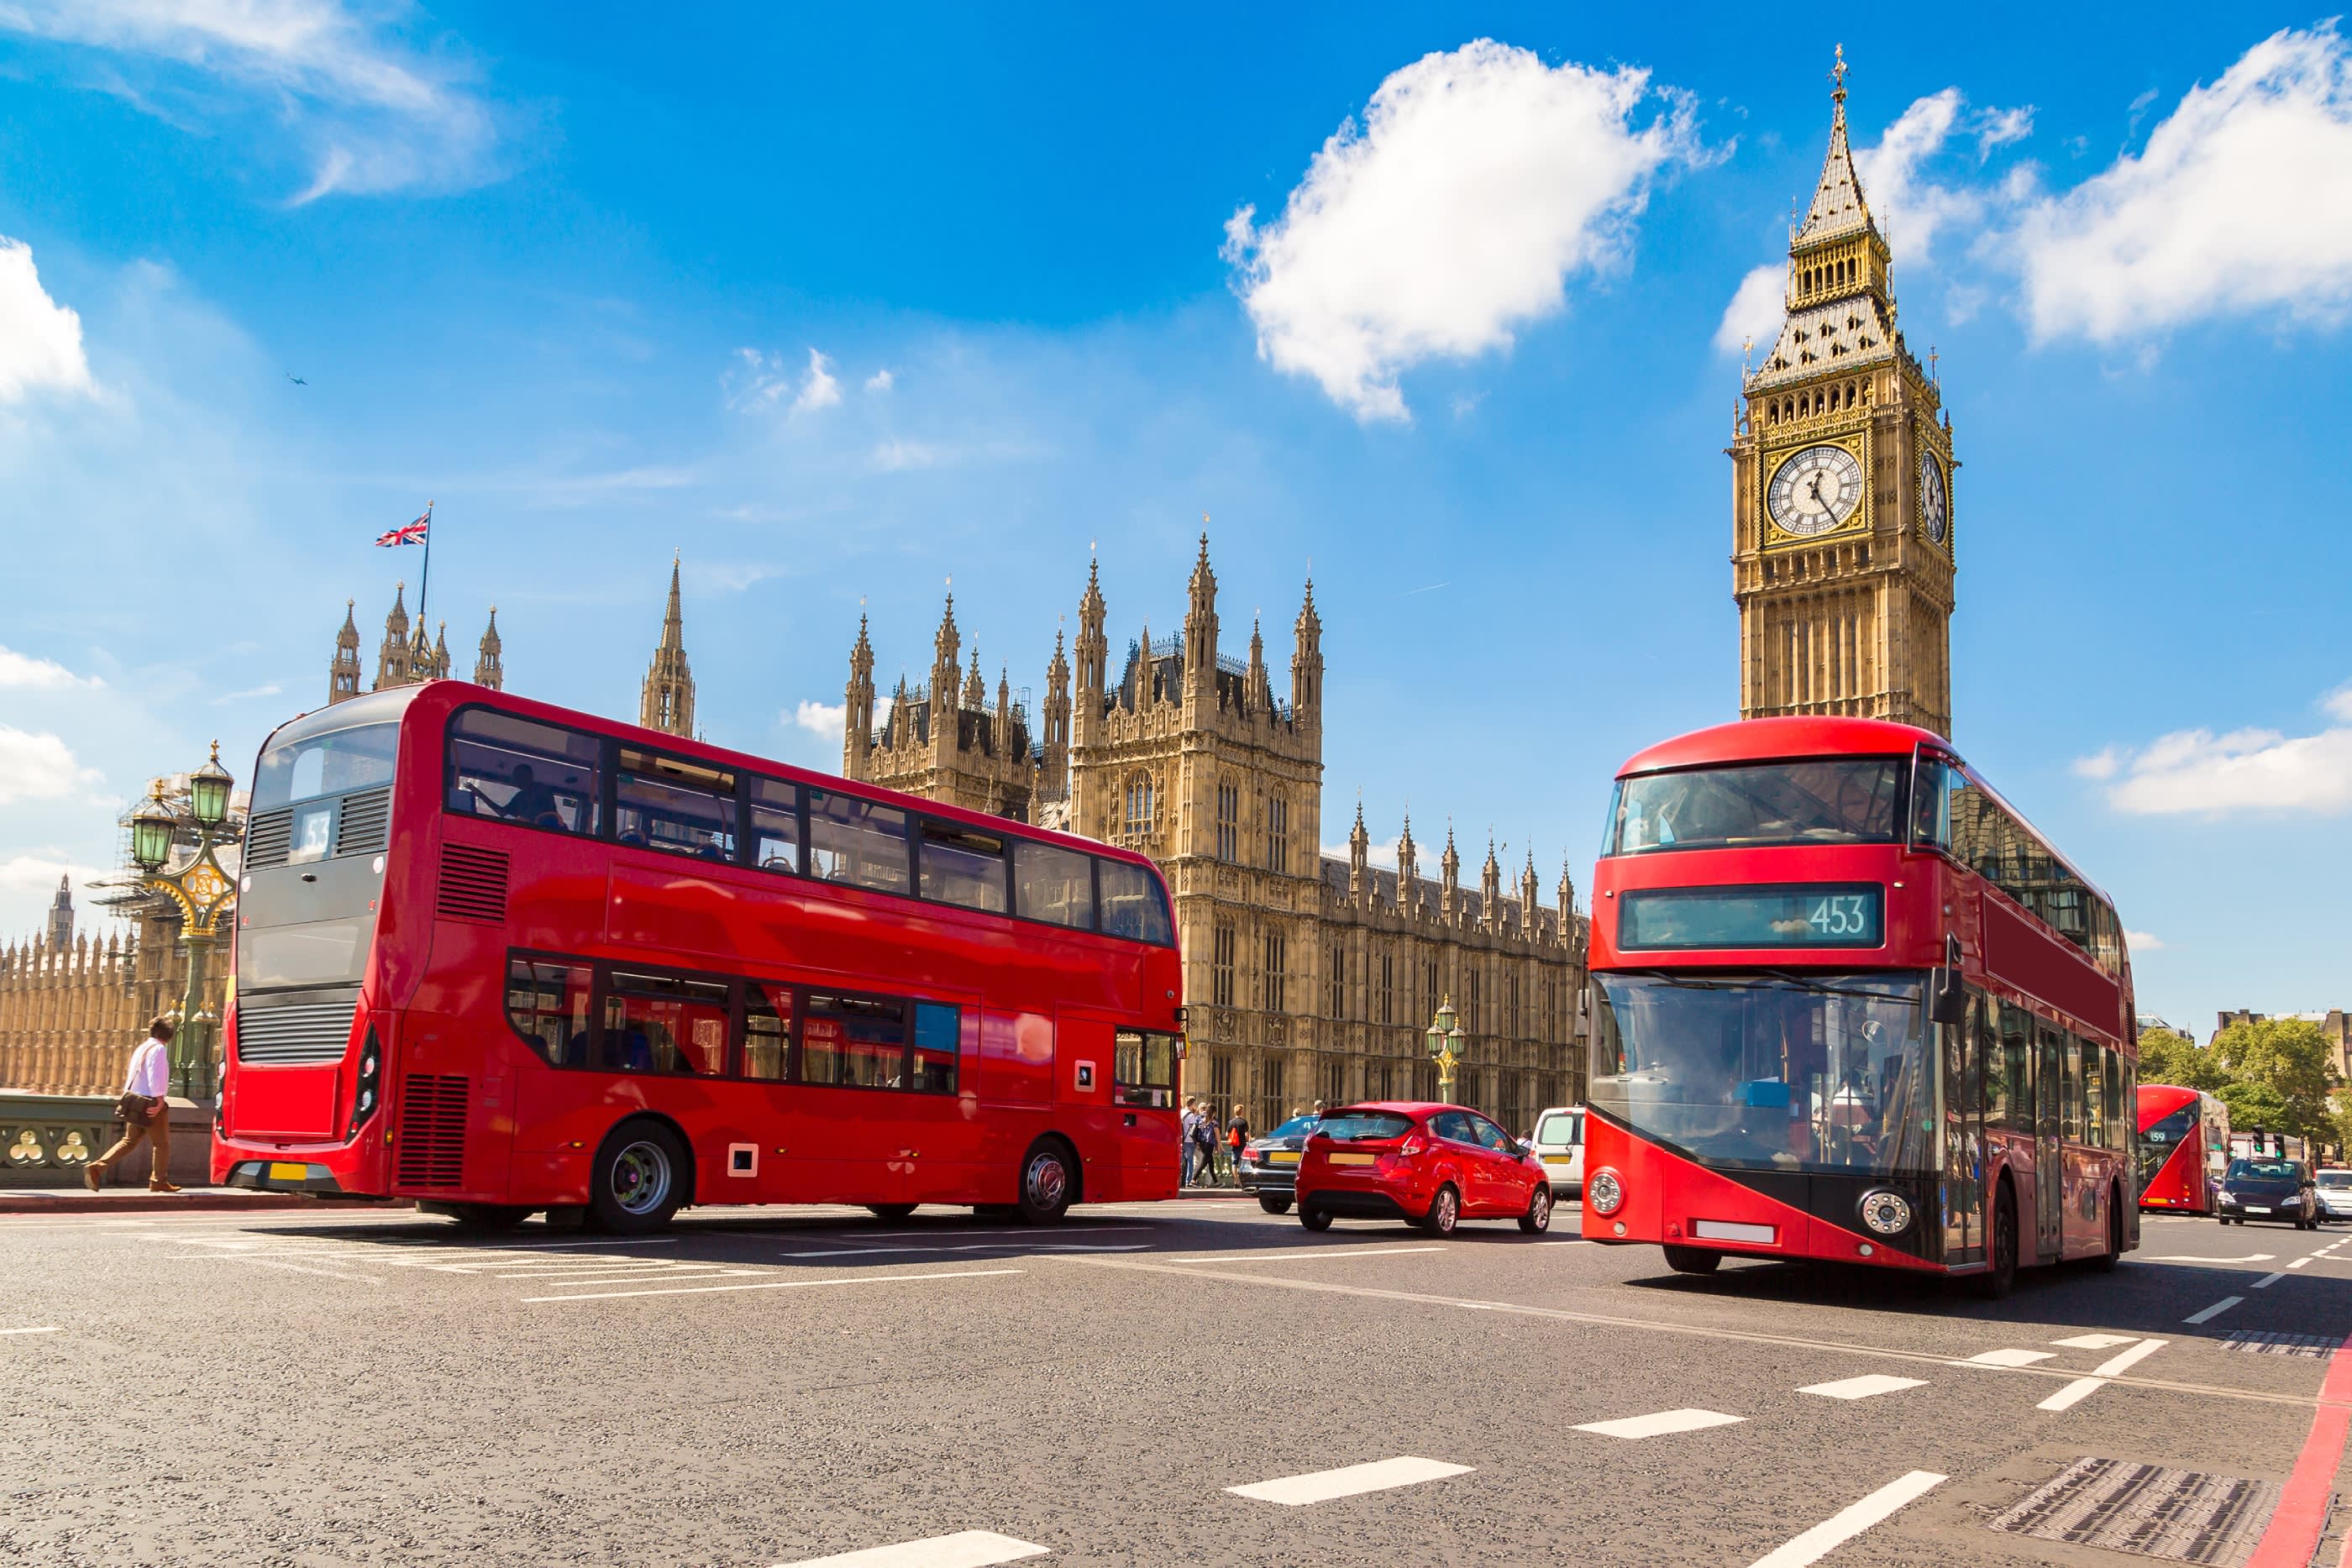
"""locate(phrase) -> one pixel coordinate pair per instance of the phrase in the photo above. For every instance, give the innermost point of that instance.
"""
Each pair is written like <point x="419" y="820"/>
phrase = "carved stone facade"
<point x="1306" y="976"/>
<point x="404" y="657"/>
<point x="1842" y="553"/>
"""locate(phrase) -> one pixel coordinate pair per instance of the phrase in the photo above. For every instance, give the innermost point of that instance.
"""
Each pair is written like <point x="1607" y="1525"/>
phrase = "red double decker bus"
<point x="2184" y="1147"/>
<point x="1848" y="1004"/>
<point x="498" y="957"/>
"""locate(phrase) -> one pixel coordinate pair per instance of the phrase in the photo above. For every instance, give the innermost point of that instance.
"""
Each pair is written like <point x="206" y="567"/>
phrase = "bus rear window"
<point x="1829" y="801"/>
<point x="335" y="763"/>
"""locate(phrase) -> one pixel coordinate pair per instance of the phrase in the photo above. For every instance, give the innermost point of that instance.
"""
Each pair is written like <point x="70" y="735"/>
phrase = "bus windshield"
<point x="1767" y="1071"/>
<point x="1826" y="801"/>
<point x="2159" y="1138"/>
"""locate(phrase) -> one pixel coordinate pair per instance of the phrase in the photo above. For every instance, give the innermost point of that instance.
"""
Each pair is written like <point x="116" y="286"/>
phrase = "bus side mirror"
<point x="1947" y="1000"/>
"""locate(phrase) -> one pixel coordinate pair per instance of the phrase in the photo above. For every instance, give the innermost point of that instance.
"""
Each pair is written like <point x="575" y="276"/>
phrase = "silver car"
<point x="2335" y="1194"/>
<point x="1559" y="1145"/>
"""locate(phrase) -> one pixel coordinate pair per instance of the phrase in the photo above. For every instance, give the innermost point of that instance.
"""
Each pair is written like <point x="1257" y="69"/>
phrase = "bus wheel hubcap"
<point x="1047" y="1182"/>
<point x="641" y="1178"/>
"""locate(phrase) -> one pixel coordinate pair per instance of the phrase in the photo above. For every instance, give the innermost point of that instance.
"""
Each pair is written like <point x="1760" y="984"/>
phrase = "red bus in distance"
<point x="2184" y="1146"/>
<point x="498" y="956"/>
<point x="1848" y="1004"/>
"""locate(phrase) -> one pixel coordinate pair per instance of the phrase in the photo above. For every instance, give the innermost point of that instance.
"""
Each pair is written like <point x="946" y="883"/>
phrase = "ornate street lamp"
<point x="203" y="892"/>
<point x="1446" y="1042"/>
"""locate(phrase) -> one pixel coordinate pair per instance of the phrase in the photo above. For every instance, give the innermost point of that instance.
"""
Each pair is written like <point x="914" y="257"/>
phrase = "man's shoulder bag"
<point x="137" y="1110"/>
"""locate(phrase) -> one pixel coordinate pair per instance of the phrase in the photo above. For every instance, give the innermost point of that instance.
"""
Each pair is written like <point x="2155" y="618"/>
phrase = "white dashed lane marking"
<point x="2097" y="1341"/>
<point x="2004" y="1358"/>
<point x="32" y="1330"/>
<point x="1848" y="1522"/>
<point x="1308" y="1254"/>
<point x="774" y="1285"/>
<point x="1863" y="1387"/>
<point x="2267" y="1280"/>
<point x="964" y="1549"/>
<point x="2082" y="1388"/>
<point x="1636" y="1428"/>
<point x="1322" y="1485"/>
<point x="2199" y="1258"/>
<point x="2215" y="1311"/>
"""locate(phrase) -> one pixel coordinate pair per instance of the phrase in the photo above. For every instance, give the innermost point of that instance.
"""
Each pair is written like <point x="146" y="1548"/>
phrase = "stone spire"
<point x="1261" y="691"/>
<point x="1200" y="635"/>
<point x="1057" y="717"/>
<point x="1449" y="887"/>
<point x="1567" y="892"/>
<point x="61" y="915"/>
<point x="975" y="691"/>
<point x="1490" y="889"/>
<point x="1306" y="664"/>
<point x="1838" y="208"/>
<point x="489" y="657"/>
<point x="1408" y="870"/>
<point x="945" y="645"/>
<point x="440" y="649"/>
<point x="392" y="665"/>
<point x="343" y="671"/>
<point x="667" y="702"/>
<point x="857" y="716"/>
<point x="1529" y="891"/>
<point x="1359" y="858"/>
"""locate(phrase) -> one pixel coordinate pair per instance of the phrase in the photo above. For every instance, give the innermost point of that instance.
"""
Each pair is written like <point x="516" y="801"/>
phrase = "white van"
<point x="1559" y="1144"/>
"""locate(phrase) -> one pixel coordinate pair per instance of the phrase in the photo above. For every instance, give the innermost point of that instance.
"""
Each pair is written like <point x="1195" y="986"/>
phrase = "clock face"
<point x="1814" y="491"/>
<point x="1934" y="512"/>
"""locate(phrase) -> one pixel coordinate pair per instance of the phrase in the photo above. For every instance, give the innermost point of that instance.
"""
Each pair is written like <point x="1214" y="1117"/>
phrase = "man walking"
<point x="143" y="1112"/>
<point x="1184" y="1133"/>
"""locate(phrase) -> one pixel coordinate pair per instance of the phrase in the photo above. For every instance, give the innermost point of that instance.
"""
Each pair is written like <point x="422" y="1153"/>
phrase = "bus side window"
<point x="665" y="1023"/>
<point x="1143" y="1069"/>
<point x="767" y="1030"/>
<point x="938" y="1029"/>
<point x="547" y="1005"/>
<point x="855" y="841"/>
<point x="1052" y="884"/>
<point x="961" y="867"/>
<point x="1997" y="1088"/>
<point x="516" y="770"/>
<point x="1132" y="904"/>
<point x="678" y="807"/>
<point x="773" y="825"/>
<point x="2016" y="1053"/>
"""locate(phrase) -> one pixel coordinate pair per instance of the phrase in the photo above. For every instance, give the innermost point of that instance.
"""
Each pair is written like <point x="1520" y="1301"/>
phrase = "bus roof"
<point x="1782" y="739"/>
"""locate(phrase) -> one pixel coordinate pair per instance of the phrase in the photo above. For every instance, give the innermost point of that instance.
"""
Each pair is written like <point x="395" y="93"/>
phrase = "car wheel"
<point x="1048" y="1184"/>
<point x="1693" y="1260"/>
<point x="1444" y="1212"/>
<point x="1996" y="1281"/>
<point x="1273" y="1203"/>
<point x="889" y="1210"/>
<point x="1538" y="1218"/>
<point x="637" y="1181"/>
<point x="1314" y="1219"/>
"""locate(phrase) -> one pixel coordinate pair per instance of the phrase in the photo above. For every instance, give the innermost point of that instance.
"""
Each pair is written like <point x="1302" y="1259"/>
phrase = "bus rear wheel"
<point x="2114" y="1255"/>
<point x="637" y="1181"/>
<point x="1049" y="1182"/>
<point x="487" y="1216"/>
<point x="1692" y="1259"/>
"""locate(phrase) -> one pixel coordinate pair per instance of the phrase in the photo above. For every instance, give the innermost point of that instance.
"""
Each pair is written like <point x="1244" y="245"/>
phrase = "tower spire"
<point x="667" y="702"/>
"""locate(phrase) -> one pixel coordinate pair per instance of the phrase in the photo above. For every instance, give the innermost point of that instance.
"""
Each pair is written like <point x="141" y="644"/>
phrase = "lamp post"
<point x="1447" y="1044"/>
<point x="202" y="889"/>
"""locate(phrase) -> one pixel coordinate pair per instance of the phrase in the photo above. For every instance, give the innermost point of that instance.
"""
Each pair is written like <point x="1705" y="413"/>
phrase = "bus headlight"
<point x="1887" y="1211"/>
<point x="1604" y="1192"/>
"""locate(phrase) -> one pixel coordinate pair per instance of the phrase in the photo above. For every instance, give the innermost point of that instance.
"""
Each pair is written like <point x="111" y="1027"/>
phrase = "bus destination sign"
<point x="1681" y="917"/>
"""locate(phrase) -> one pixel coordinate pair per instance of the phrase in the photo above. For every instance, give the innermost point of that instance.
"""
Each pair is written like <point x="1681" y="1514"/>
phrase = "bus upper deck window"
<point x="858" y="840"/>
<point x="1132" y="904"/>
<point x="774" y="826"/>
<point x="517" y="771"/>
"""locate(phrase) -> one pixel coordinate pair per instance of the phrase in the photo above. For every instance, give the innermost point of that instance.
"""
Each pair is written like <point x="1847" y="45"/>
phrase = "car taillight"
<point x="1411" y="1145"/>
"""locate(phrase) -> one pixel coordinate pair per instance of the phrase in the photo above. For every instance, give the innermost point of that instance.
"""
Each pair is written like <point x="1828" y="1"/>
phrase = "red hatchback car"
<point x="1433" y="1166"/>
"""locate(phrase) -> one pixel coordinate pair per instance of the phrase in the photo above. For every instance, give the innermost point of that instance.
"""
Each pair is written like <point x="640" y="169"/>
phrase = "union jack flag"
<point x="408" y="534"/>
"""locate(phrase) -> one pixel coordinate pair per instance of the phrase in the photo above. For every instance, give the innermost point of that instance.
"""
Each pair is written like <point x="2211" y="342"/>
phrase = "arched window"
<point x="1138" y="803"/>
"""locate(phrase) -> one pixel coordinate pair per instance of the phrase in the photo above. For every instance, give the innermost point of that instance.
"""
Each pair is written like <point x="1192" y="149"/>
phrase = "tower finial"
<point x="1837" y="76"/>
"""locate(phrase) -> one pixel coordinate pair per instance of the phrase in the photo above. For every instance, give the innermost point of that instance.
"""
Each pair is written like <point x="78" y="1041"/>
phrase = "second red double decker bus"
<point x="498" y="957"/>
<point x="2184" y="1144"/>
<point x="1848" y="1004"/>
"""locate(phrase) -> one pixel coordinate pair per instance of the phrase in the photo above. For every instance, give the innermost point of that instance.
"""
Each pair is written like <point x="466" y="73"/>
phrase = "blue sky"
<point x="1446" y="301"/>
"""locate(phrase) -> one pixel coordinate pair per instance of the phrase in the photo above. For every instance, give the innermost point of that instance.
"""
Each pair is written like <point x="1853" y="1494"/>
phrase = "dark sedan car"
<point x="2267" y="1190"/>
<point x="1270" y="1163"/>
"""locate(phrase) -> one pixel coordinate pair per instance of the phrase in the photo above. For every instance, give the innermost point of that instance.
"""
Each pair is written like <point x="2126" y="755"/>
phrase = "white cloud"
<point x="881" y="380"/>
<point x="820" y="390"/>
<point x="2142" y="941"/>
<point x="894" y="456"/>
<point x="41" y="339"/>
<point x="248" y="695"/>
<point x="38" y="767"/>
<point x="2242" y="201"/>
<point x="24" y="671"/>
<point x="367" y="112"/>
<point x="1756" y="308"/>
<point x="2197" y="773"/>
<point x="1997" y="128"/>
<point x="29" y="881"/>
<point x="1479" y="181"/>
<point x="1910" y="204"/>
<point x="827" y="721"/>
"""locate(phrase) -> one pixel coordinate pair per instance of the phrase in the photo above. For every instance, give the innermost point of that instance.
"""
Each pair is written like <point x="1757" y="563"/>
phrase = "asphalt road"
<point x="776" y="1386"/>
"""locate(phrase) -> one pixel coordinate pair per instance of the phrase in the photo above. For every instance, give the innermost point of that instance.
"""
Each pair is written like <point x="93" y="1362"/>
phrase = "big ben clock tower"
<point x="1842" y="485"/>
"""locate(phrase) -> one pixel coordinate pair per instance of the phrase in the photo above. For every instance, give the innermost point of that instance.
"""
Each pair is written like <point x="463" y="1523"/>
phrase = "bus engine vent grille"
<point x="365" y="818"/>
<point x="267" y="838"/>
<point x="312" y="1031"/>
<point x="433" y="1130"/>
<point x="473" y="884"/>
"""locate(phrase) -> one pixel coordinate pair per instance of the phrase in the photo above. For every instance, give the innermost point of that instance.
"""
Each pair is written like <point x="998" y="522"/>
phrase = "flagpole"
<point x="424" y="585"/>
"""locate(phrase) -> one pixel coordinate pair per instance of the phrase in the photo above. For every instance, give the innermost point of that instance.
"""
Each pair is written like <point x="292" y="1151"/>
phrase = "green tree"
<point x="2291" y="1058"/>
<point x="2169" y="1058"/>
<point x="2254" y="1105"/>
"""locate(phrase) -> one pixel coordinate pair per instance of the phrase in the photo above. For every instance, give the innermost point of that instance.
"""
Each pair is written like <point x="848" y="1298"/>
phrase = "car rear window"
<point x="1558" y="1131"/>
<point x="1364" y="1126"/>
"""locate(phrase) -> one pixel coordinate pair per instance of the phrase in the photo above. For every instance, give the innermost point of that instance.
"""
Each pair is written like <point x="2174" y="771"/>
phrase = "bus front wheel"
<point x="1997" y="1280"/>
<point x="891" y="1211"/>
<point x="1049" y="1183"/>
<point x="638" y="1179"/>
<point x="1693" y="1260"/>
<point x="2114" y="1255"/>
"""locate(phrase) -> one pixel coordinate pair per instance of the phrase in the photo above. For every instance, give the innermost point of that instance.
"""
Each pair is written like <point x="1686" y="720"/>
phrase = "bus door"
<point x="1963" y="1182"/>
<point x="2049" y="1153"/>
